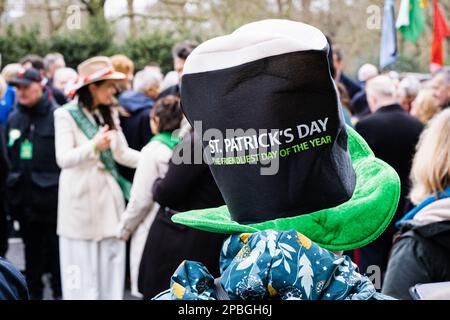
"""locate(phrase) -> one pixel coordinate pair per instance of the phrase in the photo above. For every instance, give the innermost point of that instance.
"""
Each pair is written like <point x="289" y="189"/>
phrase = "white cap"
<point x="252" y="42"/>
<point x="367" y="72"/>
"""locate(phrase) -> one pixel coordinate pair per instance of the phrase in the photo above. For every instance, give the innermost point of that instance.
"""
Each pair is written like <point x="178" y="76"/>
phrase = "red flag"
<point x="440" y="32"/>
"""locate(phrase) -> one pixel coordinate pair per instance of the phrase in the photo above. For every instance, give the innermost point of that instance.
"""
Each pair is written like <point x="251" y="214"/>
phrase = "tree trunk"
<point x="48" y="13"/>
<point x="2" y="11"/>
<point x="132" y="18"/>
<point x="95" y="8"/>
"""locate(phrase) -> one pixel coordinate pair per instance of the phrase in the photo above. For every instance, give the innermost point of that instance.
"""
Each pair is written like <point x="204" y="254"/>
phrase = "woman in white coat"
<point x="165" y="117"/>
<point x="89" y="141"/>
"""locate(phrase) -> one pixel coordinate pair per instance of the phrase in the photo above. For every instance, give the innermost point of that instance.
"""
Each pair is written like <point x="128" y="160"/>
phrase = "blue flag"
<point x="388" y="50"/>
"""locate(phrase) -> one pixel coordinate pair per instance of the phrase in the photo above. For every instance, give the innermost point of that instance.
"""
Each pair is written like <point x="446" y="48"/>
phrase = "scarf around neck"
<point x="166" y="138"/>
<point x="431" y="199"/>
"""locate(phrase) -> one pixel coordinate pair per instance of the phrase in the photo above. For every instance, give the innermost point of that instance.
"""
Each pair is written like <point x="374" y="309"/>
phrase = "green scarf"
<point x="167" y="139"/>
<point x="106" y="157"/>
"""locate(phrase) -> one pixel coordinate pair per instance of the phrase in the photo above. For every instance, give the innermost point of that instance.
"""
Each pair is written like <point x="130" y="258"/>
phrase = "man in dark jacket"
<point x="135" y="115"/>
<point x="179" y="53"/>
<point x="392" y="134"/>
<point x="37" y="62"/>
<point x="52" y="62"/>
<point x="338" y="61"/>
<point x="359" y="103"/>
<point x="4" y="166"/>
<point x="32" y="183"/>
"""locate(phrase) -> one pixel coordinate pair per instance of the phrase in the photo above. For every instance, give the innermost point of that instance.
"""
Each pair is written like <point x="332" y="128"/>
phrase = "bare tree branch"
<point x="158" y="17"/>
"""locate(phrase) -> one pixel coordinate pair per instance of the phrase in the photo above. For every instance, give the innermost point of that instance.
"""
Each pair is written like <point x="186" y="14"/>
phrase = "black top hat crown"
<point x="278" y="91"/>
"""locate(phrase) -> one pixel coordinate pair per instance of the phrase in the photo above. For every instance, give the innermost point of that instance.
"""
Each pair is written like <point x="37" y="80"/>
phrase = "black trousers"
<point x="376" y="254"/>
<point x="41" y="256"/>
<point x="3" y="225"/>
<point x="168" y="245"/>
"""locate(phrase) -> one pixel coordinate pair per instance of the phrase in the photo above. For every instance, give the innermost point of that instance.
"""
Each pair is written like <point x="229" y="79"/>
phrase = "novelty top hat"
<point x="93" y="70"/>
<point x="271" y="80"/>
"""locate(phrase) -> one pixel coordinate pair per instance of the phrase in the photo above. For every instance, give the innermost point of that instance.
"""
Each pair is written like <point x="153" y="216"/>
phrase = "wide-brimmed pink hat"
<point x="93" y="70"/>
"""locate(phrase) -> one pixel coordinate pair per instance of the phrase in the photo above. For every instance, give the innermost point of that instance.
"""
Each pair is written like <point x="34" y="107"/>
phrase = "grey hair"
<point x="145" y="79"/>
<point x="445" y="74"/>
<point x="409" y="87"/>
<point x="63" y="73"/>
<point x="52" y="58"/>
<point x="381" y="86"/>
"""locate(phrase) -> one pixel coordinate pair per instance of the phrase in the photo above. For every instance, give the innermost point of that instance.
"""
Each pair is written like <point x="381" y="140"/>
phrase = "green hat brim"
<point x="351" y="225"/>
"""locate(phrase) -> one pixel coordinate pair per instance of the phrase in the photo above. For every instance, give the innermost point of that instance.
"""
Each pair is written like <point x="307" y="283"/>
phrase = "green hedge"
<point x="14" y="45"/>
<point x="94" y="40"/>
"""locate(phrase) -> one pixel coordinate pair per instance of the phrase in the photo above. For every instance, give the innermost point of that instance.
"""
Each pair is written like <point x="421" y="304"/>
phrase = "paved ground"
<point x="16" y="255"/>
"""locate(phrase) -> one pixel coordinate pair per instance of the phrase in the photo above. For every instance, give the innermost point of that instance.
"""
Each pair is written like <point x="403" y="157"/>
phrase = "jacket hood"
<point x="438" y="232"/>
<point x="429" y="210"/>
<point x="432" y="222"/>
<point x="274" y="265"/>
<point x="437" y="211"/>
<point x="133" y="101"/>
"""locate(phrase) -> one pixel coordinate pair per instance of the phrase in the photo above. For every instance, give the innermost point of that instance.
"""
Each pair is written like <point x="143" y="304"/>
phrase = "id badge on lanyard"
<point x="26" y="147"/>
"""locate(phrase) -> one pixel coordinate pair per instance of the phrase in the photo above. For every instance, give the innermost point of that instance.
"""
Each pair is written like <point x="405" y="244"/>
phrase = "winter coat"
<point x="33" y="183"/>
<point x="4" y="167"/>
<point x="273" y="265"/>
<point x="12" y="283"/>
<point x="136" y="126"/>
<point x="421" y="254"/>
<point x="170" y="91"/>
<point x="58" y="95"/>
<point x="359" y="104"/>
<point x="392" y="134"/>
<point x="90" y="199"/>
<point x="7" y="104"/>
<point x="141" y="209"/>
<point x="184" y="187"/>
<point x="352" y="86"/>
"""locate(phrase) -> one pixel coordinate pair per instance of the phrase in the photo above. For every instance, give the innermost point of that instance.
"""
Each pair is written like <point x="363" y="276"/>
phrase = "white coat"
<point x="141" y="209"/>
<point x="90" y="200"/>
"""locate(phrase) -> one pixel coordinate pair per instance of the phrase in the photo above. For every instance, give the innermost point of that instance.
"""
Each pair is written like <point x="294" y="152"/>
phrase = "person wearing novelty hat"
<point x="92" y="193"/>
<point x="329" y="193"/>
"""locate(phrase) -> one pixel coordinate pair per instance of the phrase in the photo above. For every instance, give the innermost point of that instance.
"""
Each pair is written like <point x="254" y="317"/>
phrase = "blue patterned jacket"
<point x="272" y="265"/>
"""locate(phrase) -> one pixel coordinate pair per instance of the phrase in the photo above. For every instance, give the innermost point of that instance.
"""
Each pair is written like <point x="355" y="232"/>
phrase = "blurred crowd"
<point x="87" y="180"/>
